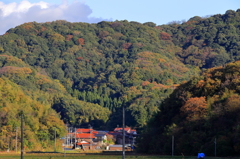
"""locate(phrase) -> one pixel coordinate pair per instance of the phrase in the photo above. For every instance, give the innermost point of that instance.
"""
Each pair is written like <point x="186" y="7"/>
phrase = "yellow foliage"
<point x="161" y="60"/>
<point x="57" y="37"/>
<point x="232" y="104"/>
<point x="74" y="49"/>
<point x="42" y="79"/>
<point x="60" y="85"/>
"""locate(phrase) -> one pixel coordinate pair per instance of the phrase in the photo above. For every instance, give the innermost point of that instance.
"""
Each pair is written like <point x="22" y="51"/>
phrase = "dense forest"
<point x="80" y="74"/>
<point x="197" y="113"/>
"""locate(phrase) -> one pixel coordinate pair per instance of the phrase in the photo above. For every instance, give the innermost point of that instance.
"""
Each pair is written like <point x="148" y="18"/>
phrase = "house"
<point x="92" y="139"/>
<point x="127" y="130"/>
<point x="82" y="130"/>
<point x="130" y="135"/>
<point x="100" y="138"/>
<point x="88" y="137"/>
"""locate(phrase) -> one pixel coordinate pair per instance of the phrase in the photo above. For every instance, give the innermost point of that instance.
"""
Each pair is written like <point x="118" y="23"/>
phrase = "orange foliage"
<point x="145" y="83"/>
<point x="200" y="84"/>
<point x="127" y="45"/>
<point x="159" y="86"/>
<point x="79" y="58"/>
<point x="43" y="28"/>
<point x="27" y="26"/>
<point x="134" y="91"/>
<point x="165" y="36"/>
<point x="81" y="41"/>
<point x="69" y="37"/>
<point x="195" y="108"/>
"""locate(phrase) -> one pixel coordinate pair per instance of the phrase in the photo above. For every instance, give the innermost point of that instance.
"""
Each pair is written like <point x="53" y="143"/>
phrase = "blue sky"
<point x="16" y="12"/>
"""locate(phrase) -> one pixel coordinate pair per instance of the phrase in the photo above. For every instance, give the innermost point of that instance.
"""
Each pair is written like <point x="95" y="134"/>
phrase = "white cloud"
<point x="14" y="14"/>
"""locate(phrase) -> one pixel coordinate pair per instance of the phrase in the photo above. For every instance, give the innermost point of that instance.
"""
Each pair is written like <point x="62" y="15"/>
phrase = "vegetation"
<point x="198" y="112"/>
<point x="83" y="156"/>
<point x="102" y="66"/>
<point x="79" y="74"/>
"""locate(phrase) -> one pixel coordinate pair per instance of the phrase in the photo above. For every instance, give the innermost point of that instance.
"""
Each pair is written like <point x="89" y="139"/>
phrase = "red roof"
<point x="85" y="136"/>
<point x="120" y="129"/>
<point x="84" y="130"/>
<point x="95" y="132"/>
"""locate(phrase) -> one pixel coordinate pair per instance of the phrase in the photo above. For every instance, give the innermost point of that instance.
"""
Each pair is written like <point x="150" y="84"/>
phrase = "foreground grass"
<point x="91" y="156"/>
<point x="81" y="156"/>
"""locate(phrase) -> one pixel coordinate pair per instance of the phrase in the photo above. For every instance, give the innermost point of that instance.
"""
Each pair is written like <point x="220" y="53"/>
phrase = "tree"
<point x="195" y="108"/>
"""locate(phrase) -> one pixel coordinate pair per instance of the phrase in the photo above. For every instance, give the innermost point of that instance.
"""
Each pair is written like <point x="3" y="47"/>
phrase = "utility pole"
<point x="22" y="140"/>
<point x="172" y="145"/>
<point x="123" y="135"/>
<point x="215" y="149"/>
<point x="90" y="137"/>
<point x="16" y="138"/>
<point x="75" y="142"/>
<point x="8" y="143"/>
<point x="65" y="146"/>
<point x="71" y="136"/>
<point x="55" y="140"/>
<point x="68" y="138"/>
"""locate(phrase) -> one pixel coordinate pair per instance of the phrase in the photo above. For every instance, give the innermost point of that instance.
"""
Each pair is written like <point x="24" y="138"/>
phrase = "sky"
<point x="17" y="12"/>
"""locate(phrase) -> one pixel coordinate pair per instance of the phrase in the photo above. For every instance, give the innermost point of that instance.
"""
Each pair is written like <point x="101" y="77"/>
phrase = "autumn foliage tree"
<point x="195" y="108"/>
<point x="81" y="41"/>
<point x="165" y="36"/>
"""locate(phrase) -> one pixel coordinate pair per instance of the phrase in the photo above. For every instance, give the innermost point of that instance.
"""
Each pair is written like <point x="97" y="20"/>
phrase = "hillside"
<point x="31" y="92"/>
<point x="88" y="72"/>
<point x="196" y="113"/>
<point x="207" y="42"/>
<point x="109" y="64"/>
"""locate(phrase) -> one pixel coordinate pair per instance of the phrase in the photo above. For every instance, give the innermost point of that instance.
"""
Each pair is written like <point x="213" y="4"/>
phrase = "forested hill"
<point x="207" y="42"/>
<point x="87" y="72"/>
<point x="110" y="64"/>
<point x="198" y="113"/>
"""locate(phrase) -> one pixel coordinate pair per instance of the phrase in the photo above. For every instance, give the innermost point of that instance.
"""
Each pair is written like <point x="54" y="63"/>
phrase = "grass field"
<point x="84" y="156"/>
<point x="61" y="156"/>
<point x="89" y="156"/>
<point x="117" y="155"/>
